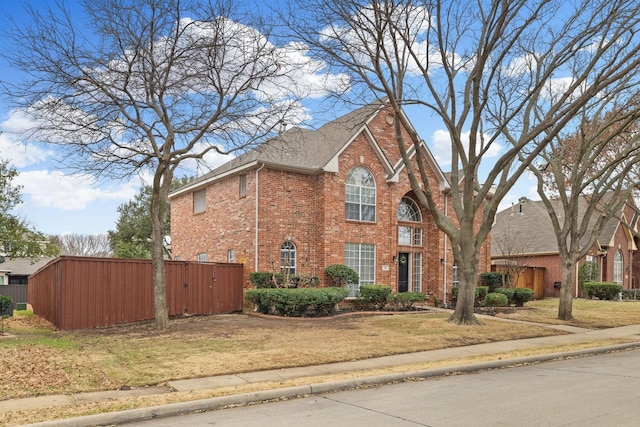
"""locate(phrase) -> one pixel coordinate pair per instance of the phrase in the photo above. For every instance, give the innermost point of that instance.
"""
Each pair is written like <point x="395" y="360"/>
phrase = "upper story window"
<point x="617" y="267"/>
<point x="408" y="211"/>
<point x="231" y="255"/>
<point x="243" y="185"/>
<point x="199" y="201"/>
<point x="202" y="257"/>
<point x="288" y="257"/>
<point x="360" y="195"/>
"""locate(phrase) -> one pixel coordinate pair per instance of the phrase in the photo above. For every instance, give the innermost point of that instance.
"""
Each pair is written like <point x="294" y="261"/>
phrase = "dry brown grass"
<point x="39" y="360"/>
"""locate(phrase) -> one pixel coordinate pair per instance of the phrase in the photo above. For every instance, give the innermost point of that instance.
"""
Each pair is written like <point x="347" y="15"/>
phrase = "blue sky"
<point x="60" y="201"/>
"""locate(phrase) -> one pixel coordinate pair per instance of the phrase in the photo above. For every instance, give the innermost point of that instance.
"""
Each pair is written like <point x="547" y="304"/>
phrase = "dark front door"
<point x="403" y="272"/>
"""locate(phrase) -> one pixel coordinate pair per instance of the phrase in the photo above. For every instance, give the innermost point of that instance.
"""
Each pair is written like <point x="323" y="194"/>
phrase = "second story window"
<point x="199" y="201"/>
<point x="408" y="211"/>
<point x="243" y="185"/>
<point x="360" y="195"/>
<point x="288" y="257"/>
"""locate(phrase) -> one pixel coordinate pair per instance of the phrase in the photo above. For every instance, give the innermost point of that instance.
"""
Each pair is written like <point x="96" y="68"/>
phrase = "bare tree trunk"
<point x="464" y="312"/>
<point x="565" y="306"/>
<point x="160" y="190"/>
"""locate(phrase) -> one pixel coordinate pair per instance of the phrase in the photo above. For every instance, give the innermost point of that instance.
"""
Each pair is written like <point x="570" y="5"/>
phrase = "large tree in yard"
<point x="130" y="87"/>
<point x="504" y="78"/>
<point x="586" y="179"/>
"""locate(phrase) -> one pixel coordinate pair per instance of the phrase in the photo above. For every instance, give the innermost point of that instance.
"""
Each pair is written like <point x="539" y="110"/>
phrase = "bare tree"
<point x="585" y="180"/>
<point x="501" y="77"/>
<point x="96" y="245"/>
<point x="147" y="85"/>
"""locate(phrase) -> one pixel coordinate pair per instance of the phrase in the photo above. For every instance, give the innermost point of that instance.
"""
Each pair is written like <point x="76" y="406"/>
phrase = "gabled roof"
<point x="297" y="149"/>
<point x="22" y="266"/>
<point x="530" y="220"/>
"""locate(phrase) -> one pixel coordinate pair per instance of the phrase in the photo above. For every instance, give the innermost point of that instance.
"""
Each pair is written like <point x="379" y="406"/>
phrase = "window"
<point x="288" y="257"/>
<point x="360" y="257"/>
<point x="199" y="201"/>
<point x="2" y="281"/>
<point x="617" y="267"/>
<point x="456" y="280"/>
<point x="231" y="255"/>
<point x="416" y="278"/>
<point x="408" y="211"/>
<point x="202" y="257"/>
<point x="243" y="185"/>
<point x="360" y="195"/>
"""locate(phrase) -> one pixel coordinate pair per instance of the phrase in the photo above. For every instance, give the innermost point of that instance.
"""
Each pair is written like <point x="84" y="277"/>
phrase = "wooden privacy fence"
<point x="82" y="292"/>
<point x="18" y="293"/>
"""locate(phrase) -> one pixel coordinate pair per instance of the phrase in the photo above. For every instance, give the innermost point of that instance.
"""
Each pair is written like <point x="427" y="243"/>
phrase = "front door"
<point x="403" y="272"/>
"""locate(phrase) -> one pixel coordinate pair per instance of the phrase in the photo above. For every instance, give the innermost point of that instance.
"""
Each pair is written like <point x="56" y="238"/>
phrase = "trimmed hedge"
<point x="602" y="290"/>
<point x="631" y="294"/>
<point x="269" y="280"/>
<point x="296" y="301"/>
<point x="404" y="301"/>
<point x="339" y="275"/>
<point x="496" y="299"/>
<point x="517" y="296"/>
<point x="374" y="296"/>
<point x="6" y="306"/>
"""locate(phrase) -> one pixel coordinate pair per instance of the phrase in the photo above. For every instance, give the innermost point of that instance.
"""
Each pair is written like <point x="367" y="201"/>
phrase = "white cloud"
<point x="68" y="192"/>
<point x="441" y="147"/>
<point x="13" y="149"/>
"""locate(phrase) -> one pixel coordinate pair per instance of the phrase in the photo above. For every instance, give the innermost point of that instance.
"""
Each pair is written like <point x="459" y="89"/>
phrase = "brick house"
<point x="615" y="251"/>
<point x="308" y="199"/>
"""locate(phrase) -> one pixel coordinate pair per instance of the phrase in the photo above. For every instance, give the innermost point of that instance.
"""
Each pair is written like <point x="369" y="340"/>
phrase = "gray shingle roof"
<point x="530" y="220"/>
<point x="300" y="148"/>
<point x="22" y="266"/>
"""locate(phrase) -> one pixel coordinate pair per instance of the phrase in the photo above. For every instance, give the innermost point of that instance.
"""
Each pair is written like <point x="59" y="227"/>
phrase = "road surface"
<point x="590" y="391"/>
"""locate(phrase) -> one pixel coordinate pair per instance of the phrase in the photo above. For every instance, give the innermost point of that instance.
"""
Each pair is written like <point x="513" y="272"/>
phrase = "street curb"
<point x="203" y="405"/>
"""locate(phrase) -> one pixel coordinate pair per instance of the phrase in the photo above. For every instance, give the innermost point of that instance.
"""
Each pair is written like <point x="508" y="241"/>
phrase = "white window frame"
<point x="360" y="196"/>
<point x="288" y="257"/>
<point x="200" y="201"/>
<point x="202" y="257"/>
<point x="361" y="257"/>
<point x="231" y="256"/>
<point x="243" y="185"/>
<point x="416" y="273"/>
<point x="618" y="267"/>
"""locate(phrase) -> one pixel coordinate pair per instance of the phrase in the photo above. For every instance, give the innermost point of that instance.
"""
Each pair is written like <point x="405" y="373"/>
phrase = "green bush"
<point x="374" y="296"/>
<point x="296" y="301"/>
<point x="522" y="295"/>
<point x="496" y="299"/>
<point x="339" y="275"/>
<point x="6" y="306"/>
<point x="587" y="272"/>
<point x="492" y="280"/>
<point x="269" y="280"/>
<point x="631" y="294"/>
<point x="405" y="300"/>
<point x="602" y="290"/>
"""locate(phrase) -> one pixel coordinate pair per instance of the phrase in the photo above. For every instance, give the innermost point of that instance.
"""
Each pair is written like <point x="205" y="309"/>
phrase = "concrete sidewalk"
<point x="575" y="336"/>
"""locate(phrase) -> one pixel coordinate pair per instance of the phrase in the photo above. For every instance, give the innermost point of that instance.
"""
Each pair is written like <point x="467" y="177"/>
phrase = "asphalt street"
<point x="601" y="390"/>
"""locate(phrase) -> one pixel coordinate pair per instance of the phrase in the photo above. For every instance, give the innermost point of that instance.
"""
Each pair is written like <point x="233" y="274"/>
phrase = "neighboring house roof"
<point x="530" y="220"/>
<point x="22" y="266"/>
<point x="306" y="150"/>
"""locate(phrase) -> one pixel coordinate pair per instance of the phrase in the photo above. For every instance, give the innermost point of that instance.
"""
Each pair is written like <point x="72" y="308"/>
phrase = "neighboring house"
<point x="523" y="235"/>
<point x="14" y="276"/>
<point x="308" y="199"/>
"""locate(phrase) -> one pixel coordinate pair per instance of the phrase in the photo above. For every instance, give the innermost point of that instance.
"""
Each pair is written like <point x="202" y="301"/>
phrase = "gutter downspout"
<point x="256" y="240"/>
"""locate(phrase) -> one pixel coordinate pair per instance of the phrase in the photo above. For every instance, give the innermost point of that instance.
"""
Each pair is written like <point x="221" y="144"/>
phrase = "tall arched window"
<point x="618" y="267"/>
<point x="288" y="257"/>
<point x="360" y="195"/>
<point x="408" y="211"/>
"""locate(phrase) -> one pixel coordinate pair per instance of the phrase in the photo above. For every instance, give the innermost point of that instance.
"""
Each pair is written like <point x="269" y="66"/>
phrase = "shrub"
<point x="262" y="279"/>
<point x="404" y="300"/>
<point x="374" y="296"/>
<point x="6" y="306"/>
<point x="631" y="294"/>
<point x="496" y="299"/>
<point x="493" y="280"/>
<point x="296" y="301"/>
<point x="339" y="275"/>
<point x="508" y="292"/>
<point x="602" y="290"/>
<point x="522" y="295"/>
<point x="588" y="272"/>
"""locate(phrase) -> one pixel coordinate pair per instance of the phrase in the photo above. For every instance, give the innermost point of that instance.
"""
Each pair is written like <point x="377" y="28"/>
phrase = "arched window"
<point x="288" y="257"/>
<point x="408" y="210"/>
<point x="618" y="265"/>
<point x="360" y="195"/>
